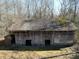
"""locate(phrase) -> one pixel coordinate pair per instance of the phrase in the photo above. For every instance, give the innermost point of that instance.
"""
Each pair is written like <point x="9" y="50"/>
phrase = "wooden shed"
<point x="42" y="33"/>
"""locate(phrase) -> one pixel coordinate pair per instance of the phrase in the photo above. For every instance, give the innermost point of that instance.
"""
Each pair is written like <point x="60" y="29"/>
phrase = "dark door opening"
<point x="12" y="39"/>
<point x="47" y="42"/>
<point x="28" y="42"/>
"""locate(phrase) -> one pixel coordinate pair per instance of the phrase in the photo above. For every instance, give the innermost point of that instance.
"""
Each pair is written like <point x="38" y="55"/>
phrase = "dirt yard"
<point x="40" y="54"/>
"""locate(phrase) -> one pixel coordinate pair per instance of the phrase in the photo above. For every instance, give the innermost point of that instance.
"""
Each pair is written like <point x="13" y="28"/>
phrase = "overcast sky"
<point x="56" y="4"/>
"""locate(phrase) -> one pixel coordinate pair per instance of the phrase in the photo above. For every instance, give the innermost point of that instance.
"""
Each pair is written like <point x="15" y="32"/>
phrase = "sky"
<point x="56" y="4"/>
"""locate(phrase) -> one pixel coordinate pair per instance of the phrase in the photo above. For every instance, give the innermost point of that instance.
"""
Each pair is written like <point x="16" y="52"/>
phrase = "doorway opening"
<point x="28" y="43"/>
<point x="12" y="39"/>
<point x="47" y="42"/>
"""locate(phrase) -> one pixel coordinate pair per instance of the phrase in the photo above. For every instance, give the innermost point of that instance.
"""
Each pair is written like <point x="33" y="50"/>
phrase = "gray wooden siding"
<point x="38" y="38"/>
<point x="19" y="39"/>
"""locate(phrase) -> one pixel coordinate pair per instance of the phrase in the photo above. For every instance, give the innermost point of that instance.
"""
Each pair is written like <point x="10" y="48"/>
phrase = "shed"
<point x="42" y="32"/>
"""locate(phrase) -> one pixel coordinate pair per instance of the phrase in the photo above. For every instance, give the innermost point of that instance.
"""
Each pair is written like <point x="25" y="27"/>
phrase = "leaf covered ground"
<point x="35" y="54"/>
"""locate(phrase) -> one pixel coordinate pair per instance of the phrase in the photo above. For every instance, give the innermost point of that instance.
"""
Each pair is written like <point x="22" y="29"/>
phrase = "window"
<point x="12" y="39"/>
<point x="28" y="42"/>
<point x="47" y="42"/>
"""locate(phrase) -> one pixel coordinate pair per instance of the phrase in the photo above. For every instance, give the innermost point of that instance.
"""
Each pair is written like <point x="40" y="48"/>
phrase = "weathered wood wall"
<point x="38" y="38"/>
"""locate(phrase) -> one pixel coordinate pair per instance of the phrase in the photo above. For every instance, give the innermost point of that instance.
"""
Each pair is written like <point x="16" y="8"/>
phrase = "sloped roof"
<point x="41" y="25"/>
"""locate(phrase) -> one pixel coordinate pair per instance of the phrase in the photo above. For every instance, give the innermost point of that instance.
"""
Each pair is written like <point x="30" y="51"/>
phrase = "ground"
<point x="35" y="54"/>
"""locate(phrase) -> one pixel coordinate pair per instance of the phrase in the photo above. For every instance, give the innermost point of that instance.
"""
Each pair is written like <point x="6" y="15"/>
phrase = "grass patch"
<point x="76" y="57"/>
<point x="27" y="48"/>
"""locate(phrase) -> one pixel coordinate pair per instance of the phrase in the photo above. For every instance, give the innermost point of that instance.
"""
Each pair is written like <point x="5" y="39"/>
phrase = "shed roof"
<point x="41" y="25"/>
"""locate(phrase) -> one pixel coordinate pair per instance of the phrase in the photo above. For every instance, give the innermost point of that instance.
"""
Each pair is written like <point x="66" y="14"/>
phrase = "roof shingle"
<point x="41" y="25"/>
